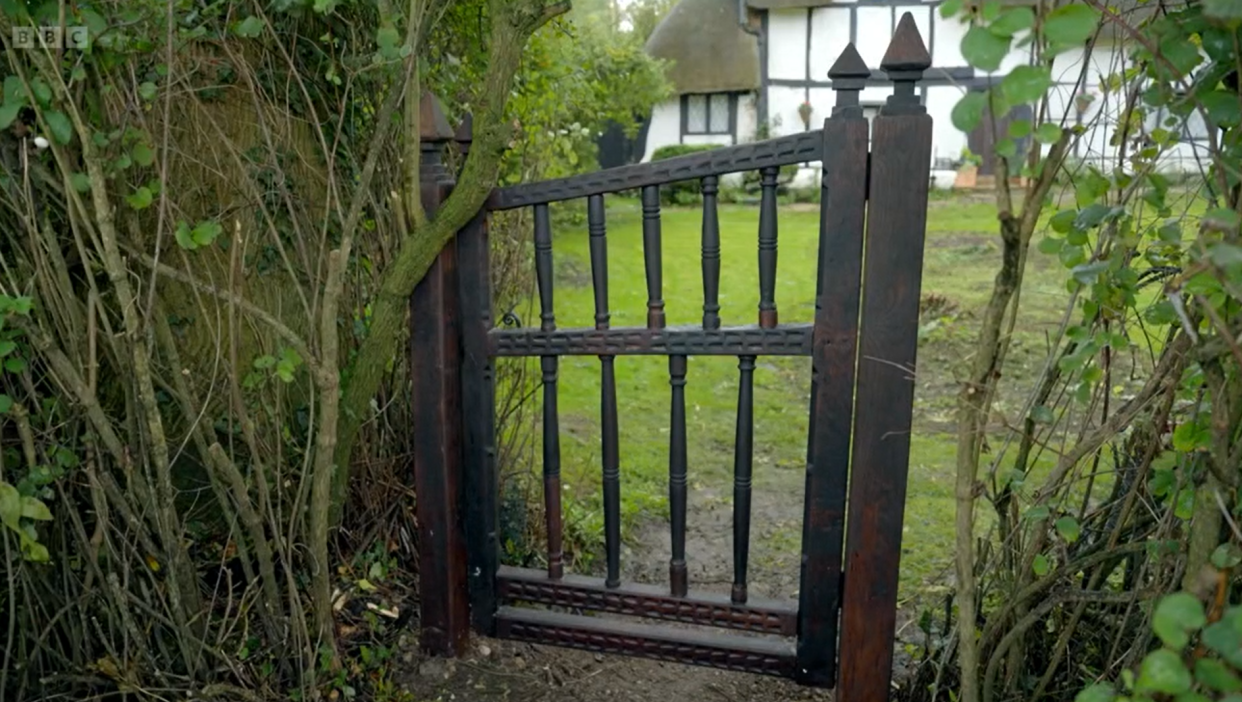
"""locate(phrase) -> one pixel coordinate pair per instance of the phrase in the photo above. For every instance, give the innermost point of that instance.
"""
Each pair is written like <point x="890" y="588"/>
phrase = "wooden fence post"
<point x="842" y="211"/>
<point x="480" y="481"/>
<point x="892" y="274"/>
<point x="435" y="379"/>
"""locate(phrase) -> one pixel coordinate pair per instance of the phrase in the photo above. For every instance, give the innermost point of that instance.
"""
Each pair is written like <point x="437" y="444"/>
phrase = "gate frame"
<point x="863" y="346"/>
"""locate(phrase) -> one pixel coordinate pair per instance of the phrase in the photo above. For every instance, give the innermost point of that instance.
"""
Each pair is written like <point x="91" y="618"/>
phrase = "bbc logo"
<point x="50" y="38"/>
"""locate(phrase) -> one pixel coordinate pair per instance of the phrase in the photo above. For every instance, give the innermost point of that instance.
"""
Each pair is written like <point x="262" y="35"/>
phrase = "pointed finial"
<point x="849" y="76"/>
<point x="906" y="52"/>
<point x="432" y="127"/>
<point x="849" y="65"/>
<point x="904" y="62"/>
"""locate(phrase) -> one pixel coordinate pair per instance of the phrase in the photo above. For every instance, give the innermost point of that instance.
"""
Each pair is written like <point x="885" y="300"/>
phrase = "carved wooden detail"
<point x="786" y="340"/>
<point x="579" y="593"/>
<point x="781" y="151"/>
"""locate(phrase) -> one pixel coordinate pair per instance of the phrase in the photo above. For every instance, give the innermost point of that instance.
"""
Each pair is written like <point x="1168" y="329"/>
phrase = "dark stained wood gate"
<point x="862" y="346"/>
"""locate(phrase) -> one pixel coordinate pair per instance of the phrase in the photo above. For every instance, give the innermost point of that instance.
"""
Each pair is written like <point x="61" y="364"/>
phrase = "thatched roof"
<point x="708" y="50"/>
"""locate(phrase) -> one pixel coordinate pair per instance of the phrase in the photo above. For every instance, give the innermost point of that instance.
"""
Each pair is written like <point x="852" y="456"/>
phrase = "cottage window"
<point x="708" y="113"/>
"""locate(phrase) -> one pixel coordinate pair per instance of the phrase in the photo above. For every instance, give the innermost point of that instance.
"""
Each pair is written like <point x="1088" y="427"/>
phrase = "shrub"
<point x="685" y="192"/>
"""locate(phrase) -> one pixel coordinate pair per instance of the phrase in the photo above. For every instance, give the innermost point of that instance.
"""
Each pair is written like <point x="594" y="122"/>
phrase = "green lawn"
<point x="961" y="259"/>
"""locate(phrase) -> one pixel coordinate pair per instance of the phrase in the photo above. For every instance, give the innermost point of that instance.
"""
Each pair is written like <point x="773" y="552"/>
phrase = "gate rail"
<point x="862" y="345"/>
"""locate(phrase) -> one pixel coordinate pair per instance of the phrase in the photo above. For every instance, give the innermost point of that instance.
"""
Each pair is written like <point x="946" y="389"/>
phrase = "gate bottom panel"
<point x="730" y="652"/>
<point x="637" y="600"/>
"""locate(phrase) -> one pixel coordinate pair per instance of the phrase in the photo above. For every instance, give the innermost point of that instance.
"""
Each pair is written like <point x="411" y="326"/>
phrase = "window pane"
<point x="720" y="113"/>
<point x="696" y="113"/>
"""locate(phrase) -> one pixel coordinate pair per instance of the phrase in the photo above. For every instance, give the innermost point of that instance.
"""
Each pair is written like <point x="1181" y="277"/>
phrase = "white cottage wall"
<point x="787" y="44"/>
<point x="665" y="126"/>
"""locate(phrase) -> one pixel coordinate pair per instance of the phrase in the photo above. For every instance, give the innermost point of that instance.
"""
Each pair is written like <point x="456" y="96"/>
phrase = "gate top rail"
<point x="781" y="151"/>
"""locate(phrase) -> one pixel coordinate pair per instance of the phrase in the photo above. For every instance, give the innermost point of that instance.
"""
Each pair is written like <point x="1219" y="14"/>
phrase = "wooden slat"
<point x="677" y="476"/>
<point x="785" y="340"/>
<point x="762" y="616"/>
<point x="652" y="259"/>
<point x="552" y="468"/>
<point x="711" y="254"/>
<point x="767" y="248"/>
<point x="781" y="151"/>
<point x="610" y="439"/>
<point x="743" y="464"/>
<point x="744" y="654"/>
<point x="893" y="264"/>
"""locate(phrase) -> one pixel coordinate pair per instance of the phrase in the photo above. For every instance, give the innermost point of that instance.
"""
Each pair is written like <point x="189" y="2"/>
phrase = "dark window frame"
<point x="707" y="115"/>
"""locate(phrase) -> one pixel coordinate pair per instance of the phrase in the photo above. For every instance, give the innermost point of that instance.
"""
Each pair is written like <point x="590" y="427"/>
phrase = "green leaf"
<point x="1170" y="232"/>
<point x="1216" y="675"/>
<point x="949" y="8"/>
<point x="1225" y="637"/>
<point x="1088" y="272"/>
<point x="1040" y="565"/>
<point x="1068" y="528"/>
<point x="968" y="112"/>
<point x="1222" y="107"/>
<point x="983" y="49"/>
<point x="8" y="113"/>
<point x="80" y="182"/>
<point x="1163" y="671"/>
<point x="140" y="199"/>
<point x="1070" y="25"/>
<point x="1037" y="512"/>
<point x="1020" y="128"/>
<point x="16" y="364"/>
<point x="7" y="346"/>
<point x="34" y="551"/>
<point x="1179" y="51"/>
<point x="42" y="91"/>
<point x="10" y="505"/>
<point x="58" y="123"/>
<point x="1096" y="693"/>
<point x="34" y="509"/>
<point x="1176" y="617"/>
<point x="1012" y="21"/>
<point x="182" y="235"/>
<point x="1226" y="556"/>
<point x="1063" y="221"/>
<point x="1185" y="504"/>
<point x="14" y="93"/>
<point x="1041" y="414"/>
<point x="1026" y="83"/>
<point x="143" y="155"/>
<point x="1048" y="133"/>
<point x="147" y="90"/>
<point x="388" y="41"/>
<point x="1051" y="245"/>
<point x="1007" y="148"/>
<point x="6" y="403"/>
<point x="1190" y="436"/>
<point x="205" y="232"/>
<point x="249" y="28"/>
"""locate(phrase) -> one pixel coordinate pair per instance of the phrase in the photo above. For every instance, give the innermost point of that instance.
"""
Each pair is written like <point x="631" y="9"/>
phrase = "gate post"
<point x="892" y="274"/>
<point x="843" y="204"/>
<point x="480" y="485"/>
<point x="435" y="380"/>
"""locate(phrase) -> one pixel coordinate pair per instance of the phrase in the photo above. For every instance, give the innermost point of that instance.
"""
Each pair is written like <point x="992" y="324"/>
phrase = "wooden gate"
<point x="862" y="346"/>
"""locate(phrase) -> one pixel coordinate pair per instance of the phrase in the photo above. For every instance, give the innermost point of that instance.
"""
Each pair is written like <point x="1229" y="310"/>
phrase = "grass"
<point x="961" y="260"/>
